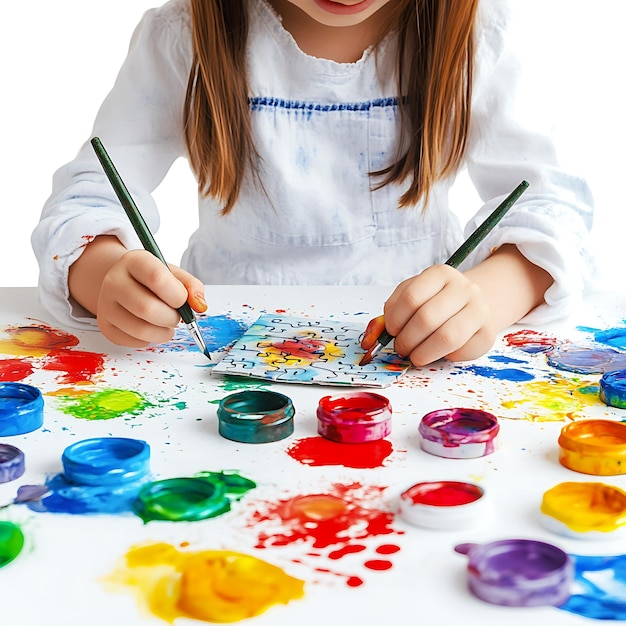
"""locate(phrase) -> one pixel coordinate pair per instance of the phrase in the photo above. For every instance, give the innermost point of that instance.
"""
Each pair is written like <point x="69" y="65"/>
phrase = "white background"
<point x="60" y="58"/>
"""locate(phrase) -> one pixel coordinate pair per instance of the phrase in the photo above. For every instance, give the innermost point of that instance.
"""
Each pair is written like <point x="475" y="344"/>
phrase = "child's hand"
<point x="439" y="313"/>
<point x="139" y="297"/>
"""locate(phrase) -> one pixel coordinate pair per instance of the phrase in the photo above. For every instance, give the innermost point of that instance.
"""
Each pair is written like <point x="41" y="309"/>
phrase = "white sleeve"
<point x="140" y="125"/>
<point x="551" y="221"/>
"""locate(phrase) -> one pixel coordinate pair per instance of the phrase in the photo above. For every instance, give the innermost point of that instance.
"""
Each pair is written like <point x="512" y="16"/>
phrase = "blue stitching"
<point x="280" y="103"/>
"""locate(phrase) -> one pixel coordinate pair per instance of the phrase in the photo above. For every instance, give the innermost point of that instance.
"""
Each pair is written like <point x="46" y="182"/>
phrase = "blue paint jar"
<point x="255" y="416"/>
<point x="11" y="463"/>
<point x="21" y="409"/>
<point x="613" y="389"/>
<point x="106" y="461"/>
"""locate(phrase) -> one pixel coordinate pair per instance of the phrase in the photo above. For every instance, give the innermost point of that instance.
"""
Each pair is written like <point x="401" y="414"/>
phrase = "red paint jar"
<point x="354" y="418"/>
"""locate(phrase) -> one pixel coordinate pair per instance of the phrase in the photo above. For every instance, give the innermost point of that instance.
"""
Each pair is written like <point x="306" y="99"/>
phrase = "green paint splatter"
<point x="237" y="383"/>
<point x="11" y="542"/>
<point x="105" y="404"/>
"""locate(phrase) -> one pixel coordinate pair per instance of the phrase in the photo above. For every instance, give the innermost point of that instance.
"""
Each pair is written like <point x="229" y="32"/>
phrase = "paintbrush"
<point x="459" y="256"/>
<point x="144" y="234"/>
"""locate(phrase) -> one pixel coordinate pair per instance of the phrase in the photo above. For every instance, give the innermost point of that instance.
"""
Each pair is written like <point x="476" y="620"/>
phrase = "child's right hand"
<point x="133" y="295"/>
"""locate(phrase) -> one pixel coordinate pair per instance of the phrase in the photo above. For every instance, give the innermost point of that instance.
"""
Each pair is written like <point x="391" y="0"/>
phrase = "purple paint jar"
<point x="518" y="572"/>
<point x="11" y="463"/>
<point x="459" y="433"/>
<point x="354" y="418"/>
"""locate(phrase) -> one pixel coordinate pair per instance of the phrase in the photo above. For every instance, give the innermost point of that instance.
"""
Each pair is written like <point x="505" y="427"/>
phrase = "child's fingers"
<point x="194" y="287"/>
<point x="373" y="332"/>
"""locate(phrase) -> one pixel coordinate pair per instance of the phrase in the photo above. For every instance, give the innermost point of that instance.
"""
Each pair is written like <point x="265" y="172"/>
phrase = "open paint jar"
<point x="255" y="416"/>
<point x="445" y="504"/>
<point x="518" y="572"/>
<point x="459" y="433"/>
<point x="594" y="446"/>
<point x="11" y="463"/>
<point x="105" y="461"/>
<point x="613" y="389"/>
<point x="354" y="417"/>
<point x="21" y="409"/>
<point x="587" y="510"/>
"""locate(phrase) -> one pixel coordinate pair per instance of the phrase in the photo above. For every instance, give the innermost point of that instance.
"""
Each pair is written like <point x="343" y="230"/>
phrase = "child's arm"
<point x="132" y="294"/>
<point x="445" y="313"/>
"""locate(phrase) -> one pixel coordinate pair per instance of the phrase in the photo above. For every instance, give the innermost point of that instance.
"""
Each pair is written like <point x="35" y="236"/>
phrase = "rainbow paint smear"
<point x="216" y="586"/>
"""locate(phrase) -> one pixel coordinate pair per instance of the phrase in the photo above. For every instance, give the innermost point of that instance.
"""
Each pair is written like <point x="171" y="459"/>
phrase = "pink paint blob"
<point x="318" y="451"/>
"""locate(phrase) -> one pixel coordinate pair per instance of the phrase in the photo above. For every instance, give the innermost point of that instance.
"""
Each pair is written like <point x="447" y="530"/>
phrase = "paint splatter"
<point x="599" y="587"/>
<point x="35" y="341"/>
<point x="102" y="404"/>
<point x="583" y="359"/>
<point x="76" y="366"/>
<point x="530" y="341"/>
<point x="11" y="542"/>
<point x="216" y="586"/>
<point x="14" y="370"/>
<point x="237" y="383"/>
<point x="317" y="451"/>
<point x="614" y="337"/>
<point x="511" y="374"/>
<point x="554" y="400"/>
<point x="345" y="519"/>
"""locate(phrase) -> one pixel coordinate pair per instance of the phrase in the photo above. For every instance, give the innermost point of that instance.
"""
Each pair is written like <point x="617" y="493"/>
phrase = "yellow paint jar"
<point x="590" y="510"/>
<point x="594" y="446"/>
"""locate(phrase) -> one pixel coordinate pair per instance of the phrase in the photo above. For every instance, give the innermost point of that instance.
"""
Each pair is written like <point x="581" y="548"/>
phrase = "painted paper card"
<point x="303" y="350"/>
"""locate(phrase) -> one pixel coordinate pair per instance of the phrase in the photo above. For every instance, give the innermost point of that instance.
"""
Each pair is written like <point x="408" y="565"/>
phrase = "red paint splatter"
<point x="349" y="549"/>
<point x="388" y="548"/>
<point x="354" y="581"/>
<point x="13" y="370"/>
<point x="530" y="341"/>
<point x="379" y="565"/>
<point x="310" y="349"/>
<point x="77" y="366"/>
<point x="318" y="451"/>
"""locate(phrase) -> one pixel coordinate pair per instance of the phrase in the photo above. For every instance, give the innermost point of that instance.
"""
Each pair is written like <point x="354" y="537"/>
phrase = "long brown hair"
<point x="435" y="66"/>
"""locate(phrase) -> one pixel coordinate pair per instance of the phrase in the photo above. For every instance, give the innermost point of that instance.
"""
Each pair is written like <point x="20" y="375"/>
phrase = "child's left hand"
<point x="438" y="313"/>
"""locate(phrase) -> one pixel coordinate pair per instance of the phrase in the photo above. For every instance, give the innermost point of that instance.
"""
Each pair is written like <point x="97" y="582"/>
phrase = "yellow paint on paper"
<point x="215" y="586"/>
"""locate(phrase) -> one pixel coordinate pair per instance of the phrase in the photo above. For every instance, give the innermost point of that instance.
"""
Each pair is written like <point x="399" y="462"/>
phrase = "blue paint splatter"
<point x="505" y="373"/>
<point x="599" y="587"/>
<point x="614" y="337"/>
<point x="502" y="358"/>
<point x="219" y="332"/>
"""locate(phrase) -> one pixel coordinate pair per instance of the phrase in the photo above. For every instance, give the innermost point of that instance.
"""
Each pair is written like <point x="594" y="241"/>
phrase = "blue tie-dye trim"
<point x="298" y="105"/>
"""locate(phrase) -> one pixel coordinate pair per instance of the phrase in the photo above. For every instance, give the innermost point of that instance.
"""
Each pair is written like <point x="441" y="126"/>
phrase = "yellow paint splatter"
<point x="585" y="507"/>
<point x="216" y="586"/>
<point x="557" y="399"/>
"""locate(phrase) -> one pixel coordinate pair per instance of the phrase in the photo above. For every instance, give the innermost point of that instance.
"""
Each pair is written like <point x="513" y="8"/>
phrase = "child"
<point x="325" y="135"/>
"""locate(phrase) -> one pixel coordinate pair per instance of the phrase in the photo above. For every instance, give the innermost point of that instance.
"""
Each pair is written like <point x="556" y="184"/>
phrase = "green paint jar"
<point x="11" y="542"/>
<point x="255" y="416"/>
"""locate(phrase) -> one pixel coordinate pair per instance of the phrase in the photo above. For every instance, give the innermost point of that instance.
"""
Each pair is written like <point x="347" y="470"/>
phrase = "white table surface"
<point x="56" y="579"/>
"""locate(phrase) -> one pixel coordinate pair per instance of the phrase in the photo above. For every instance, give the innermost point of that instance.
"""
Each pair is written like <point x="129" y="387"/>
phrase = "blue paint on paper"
<point x="599" y="590"/>
<point x="218" y="331"/>
<point x="502" y="358"/>
<point x="505" y="373"/>
<point x="614" y="337"/>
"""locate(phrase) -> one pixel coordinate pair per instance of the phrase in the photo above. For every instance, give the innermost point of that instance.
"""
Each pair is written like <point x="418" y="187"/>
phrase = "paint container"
<point x="594" y="446"/>
<point x="354" y="417"/>
<point x="254" y="416"/>
<point x="11" y="542"/>
<point x="459" y="433"/>
<point x="518" y="572"/>
<point x="181" y="500"/>
<point x="613" y="389"/>
<point x="106" y="461"/>
<point x="11" y="463"/>
<point x="588" y="510"/>
<point x="21" y="409"/>
<point x="445" y="504"/>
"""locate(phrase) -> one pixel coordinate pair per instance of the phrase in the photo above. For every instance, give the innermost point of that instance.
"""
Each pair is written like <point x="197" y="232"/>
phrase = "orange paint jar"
<point x="594" y="446"/>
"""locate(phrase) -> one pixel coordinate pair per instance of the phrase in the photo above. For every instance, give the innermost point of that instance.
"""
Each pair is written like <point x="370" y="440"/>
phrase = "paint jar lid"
<point x="21" y="409"/>
<point x="106" y="461"/>
<point x="11" y="463"/>
<point x="613" y="389"/>
<point x="459" y="433"/>
<point x="594" y="446"/>
<point x="586" y="359"/>
<point x="518" y="572"/>
<point x="444" y="504"/>
<point x="585" y="510"/>
<point x="354" y="417"/>
<point x="255" y="416"/>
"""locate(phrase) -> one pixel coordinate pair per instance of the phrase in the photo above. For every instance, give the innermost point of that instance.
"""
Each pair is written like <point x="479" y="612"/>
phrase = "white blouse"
<point x="319" y="127"/>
